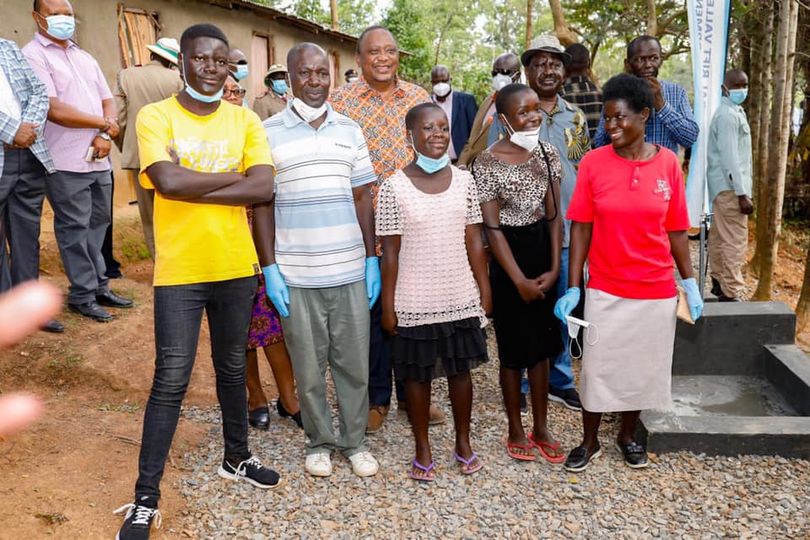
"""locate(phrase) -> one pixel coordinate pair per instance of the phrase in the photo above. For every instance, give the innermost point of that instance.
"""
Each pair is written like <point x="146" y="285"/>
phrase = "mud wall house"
<point x="116" y="33"/>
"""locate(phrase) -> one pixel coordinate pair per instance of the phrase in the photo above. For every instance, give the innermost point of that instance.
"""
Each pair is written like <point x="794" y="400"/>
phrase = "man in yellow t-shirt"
<point x="206" y="159"/>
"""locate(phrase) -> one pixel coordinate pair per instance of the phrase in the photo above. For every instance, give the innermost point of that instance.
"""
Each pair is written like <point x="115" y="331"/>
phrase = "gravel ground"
<point x="681" y="495"/>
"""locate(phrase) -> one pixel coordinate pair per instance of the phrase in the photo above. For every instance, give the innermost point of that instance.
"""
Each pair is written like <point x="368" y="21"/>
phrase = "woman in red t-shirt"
<point x="630" y="221"/>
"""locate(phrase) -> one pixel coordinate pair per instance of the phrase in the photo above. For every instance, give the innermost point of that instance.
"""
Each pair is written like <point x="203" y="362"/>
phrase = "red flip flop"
<point x="510" y="449"/>
<point x="546" y="449"/>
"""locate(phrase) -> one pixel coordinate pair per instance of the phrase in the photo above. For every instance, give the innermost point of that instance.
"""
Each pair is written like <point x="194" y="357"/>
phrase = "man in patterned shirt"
<point x="378" y="101"/>
<point x="579" y="89"/>
<point x="565" y="127"/>
<point x="672" y="122"/>
<point x="24" y="162"/>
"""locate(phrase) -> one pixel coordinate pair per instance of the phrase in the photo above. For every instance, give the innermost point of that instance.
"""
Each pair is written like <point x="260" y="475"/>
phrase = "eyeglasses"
<point x="238" y="92"/>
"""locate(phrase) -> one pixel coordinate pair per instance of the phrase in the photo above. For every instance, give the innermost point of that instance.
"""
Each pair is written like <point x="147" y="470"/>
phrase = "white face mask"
<point x="528" y="139"/>
<point x="306" y="112"/>
<point x="574" y="325"/>
<point x="500" y="80"/>
<point x="441" y="89"/>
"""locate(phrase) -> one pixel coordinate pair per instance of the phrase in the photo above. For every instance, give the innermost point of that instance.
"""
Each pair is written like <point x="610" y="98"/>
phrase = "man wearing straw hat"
<point x="136" y="87"/>
<point x="275" y="100"/>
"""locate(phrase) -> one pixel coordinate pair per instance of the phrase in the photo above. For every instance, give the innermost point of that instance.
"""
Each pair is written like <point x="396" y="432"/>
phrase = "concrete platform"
<point x="740" y="386"/>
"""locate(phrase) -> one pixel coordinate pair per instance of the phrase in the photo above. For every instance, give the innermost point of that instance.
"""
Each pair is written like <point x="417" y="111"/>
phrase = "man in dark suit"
<point x="459" y="107"/>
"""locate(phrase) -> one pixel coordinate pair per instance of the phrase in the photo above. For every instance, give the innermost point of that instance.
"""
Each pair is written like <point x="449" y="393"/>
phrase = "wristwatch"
<point x="104" y="136"/>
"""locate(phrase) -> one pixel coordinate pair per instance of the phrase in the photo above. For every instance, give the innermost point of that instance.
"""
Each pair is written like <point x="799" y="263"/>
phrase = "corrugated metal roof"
<point x="275" y="14"/>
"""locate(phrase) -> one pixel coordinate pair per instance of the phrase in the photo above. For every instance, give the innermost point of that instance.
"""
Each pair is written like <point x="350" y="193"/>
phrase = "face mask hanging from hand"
<point x="574" y="325"/>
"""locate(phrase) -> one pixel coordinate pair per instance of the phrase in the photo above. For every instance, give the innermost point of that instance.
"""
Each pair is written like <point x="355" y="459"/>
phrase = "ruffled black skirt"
<point x="423" y="353"/>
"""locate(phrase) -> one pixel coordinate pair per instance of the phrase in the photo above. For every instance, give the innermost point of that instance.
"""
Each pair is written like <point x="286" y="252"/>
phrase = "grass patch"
<point x="125" y="407"/>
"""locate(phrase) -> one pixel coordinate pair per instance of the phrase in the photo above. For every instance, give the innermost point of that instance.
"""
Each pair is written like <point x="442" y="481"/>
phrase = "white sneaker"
<point x="364" y="464"/>
<point x="319" y="464"/>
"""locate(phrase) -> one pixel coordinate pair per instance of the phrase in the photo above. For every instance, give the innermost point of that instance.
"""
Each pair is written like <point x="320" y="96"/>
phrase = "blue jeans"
<point x="178" y="315"/>
<point x="379" y="358"/>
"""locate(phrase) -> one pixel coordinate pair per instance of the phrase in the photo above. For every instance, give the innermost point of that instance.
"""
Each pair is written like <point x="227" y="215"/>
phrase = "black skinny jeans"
<point x="178" y="315"/>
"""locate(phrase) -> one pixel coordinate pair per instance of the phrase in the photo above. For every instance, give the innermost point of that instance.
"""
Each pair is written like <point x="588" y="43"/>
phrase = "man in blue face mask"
<point x="275" y="100"/>
<point x="729" y="179"/>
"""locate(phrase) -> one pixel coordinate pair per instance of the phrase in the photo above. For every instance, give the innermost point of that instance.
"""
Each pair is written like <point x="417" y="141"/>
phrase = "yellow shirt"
<point x="199" y="243"/>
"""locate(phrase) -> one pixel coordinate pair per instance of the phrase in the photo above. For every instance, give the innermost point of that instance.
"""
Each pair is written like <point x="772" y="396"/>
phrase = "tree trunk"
<point x="561" y="29"/>
<point x="778" y="137"/>
<point x="529" y="22"/>
<point x="803" y="305"/>
<point x="334" y="9"/>
<point x="760" y="142"/>
<point x="652" y="19"/>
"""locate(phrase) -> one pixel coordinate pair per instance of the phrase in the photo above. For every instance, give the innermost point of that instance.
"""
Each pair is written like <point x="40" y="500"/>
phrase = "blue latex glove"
<point x="566" y="303"/>
<point x="277" y="290"/>
<point x="693" y="298"/>
<point x="373" y="280"/>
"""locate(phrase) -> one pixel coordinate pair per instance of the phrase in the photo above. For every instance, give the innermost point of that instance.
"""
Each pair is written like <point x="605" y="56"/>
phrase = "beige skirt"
<point x="627" y="357"/>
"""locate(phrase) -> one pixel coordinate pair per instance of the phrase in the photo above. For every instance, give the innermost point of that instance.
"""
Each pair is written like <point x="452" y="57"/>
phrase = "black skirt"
<point x="526" y="333"/>
<point x="423" y="353"/>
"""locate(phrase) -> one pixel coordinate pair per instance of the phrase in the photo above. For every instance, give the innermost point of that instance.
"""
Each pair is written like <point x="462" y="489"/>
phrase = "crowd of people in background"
<point x="374" y="229"/>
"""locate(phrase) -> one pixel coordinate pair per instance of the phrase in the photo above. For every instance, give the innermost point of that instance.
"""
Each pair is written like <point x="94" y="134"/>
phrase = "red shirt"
<point x="632" y="205"/>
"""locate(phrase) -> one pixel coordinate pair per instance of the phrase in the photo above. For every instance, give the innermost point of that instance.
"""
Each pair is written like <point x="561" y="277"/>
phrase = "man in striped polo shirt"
<point x="324" y="275"/>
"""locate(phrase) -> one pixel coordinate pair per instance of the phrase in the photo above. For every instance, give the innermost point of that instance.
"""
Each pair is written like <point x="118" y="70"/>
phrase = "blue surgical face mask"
<point x="428" y="164"/>
<point x="738" y="95"/>
<point x="241" y="72"/>
<point x="202" y="97"/>
<point x="61" y="26"/>
<point x="279" y="86"/>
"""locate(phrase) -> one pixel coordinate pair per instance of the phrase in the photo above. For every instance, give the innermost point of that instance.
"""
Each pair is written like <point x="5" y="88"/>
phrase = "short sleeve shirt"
<point x="319" y="242"/>
<point x="199" y="243"/>
<point x="519" y="189"/>
<point x="633" y="205"/>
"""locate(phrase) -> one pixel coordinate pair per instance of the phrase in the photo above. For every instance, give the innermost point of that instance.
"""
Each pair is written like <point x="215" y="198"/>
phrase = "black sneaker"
<point x="579" y="458"/>
<point x="635" y="456"/>
<point x="524" y="406"/>
<point x="568" y="397"/>
<point x="138" y="519"/>
<point x="252" y="471"/>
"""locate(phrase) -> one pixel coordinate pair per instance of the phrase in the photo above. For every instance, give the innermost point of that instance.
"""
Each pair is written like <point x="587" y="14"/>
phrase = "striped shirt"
<point x="318" y="238"/>
<point x="673" y="125"/>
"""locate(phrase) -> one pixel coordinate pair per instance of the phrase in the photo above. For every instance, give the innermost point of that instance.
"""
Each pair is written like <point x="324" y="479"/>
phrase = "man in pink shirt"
<point x="81" y="122"/>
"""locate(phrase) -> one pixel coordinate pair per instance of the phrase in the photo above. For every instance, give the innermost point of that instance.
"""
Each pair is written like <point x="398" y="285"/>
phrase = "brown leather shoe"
<point x="376" y="418"/>
<point x="436" y="414"/>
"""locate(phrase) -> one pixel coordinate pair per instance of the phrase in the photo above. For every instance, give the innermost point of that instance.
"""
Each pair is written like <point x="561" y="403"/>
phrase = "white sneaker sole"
<point x="639" y="466"/>
<point x="365" y="475"/>
<point x="230" y="476"/>
<point x="552" y="397"/>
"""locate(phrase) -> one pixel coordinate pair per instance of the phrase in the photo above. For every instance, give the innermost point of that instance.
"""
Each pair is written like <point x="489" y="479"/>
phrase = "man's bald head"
<point x="296" y="53"/>
<point x="439" y="74"/>
<point x="508" y="62"/>
<point x="236" y="56"/>
<point x="735" y="78"/>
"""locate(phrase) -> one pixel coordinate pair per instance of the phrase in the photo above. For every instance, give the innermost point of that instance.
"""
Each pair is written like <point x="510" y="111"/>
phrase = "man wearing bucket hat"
<point x="275" y="100"/>
<point x="564" y="125"/>
<point x="135" y="88"/>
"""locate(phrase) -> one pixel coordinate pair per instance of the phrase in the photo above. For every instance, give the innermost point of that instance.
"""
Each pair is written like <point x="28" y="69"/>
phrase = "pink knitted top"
<point x="435" y="281"/>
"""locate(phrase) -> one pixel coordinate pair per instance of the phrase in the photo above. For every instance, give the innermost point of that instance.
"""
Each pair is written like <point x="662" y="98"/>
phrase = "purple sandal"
<point x="465" y="463"/>
<point x="427" y="470"/>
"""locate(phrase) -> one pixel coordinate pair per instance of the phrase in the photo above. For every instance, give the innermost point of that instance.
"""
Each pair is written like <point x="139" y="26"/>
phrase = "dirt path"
<point x="65" y="476"/>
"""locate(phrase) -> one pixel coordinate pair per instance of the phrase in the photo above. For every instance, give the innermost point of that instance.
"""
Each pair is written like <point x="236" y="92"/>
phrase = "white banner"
<point x="708" y="34"/>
